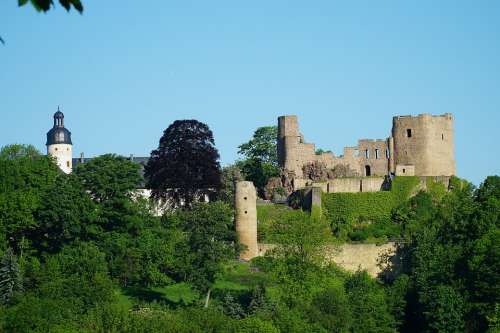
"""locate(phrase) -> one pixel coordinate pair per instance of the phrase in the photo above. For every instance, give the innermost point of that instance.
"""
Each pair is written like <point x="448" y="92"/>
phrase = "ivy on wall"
<point x="364" y="215"/>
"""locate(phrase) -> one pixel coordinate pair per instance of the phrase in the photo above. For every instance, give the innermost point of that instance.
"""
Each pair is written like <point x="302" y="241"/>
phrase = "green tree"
<point x="262" y="145"/>
<point x="25" y="176"/>
<point x="230" y="175"/>
<point x="258" y="172"/>
<point x="185" y="166"/>
<point x="261" y="157"/>
<point x="66" y="214"/>
<point x="211" y="240"/>
<point x="10" y="276"/>
<point x="451" y="256"/>
<point x="109" y="177"/>
<point x="330" y="308"/>
<point x="299" y="256"/>
<point x="368" y="305"/>
<point x="15" y="151"/>
<point x="45" y="5"/>
<point x="232" y="307"/>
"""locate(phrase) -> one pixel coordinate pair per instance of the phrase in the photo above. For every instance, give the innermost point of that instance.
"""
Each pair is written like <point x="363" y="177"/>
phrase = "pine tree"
<point x="10" y="276"/>
<point x="232" y="308"/>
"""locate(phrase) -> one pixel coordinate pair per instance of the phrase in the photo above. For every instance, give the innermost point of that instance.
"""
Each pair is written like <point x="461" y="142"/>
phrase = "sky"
<point x="125" y="70"/>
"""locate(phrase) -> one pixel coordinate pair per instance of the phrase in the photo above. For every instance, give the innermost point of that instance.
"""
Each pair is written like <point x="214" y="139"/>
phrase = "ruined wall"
<point x="246" y="218"/>
<point x="293" y="152"/>
<point x="420" y="146"/>
<point x="426" y="142"/>
<point x="369" y="158"/>
<point x="373" y="157"/>
<point x="352" y="257"/>
<point x="349" y="184"/>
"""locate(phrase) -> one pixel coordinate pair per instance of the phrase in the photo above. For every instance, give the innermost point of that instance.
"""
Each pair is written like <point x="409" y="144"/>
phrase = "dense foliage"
<point x="365" y="215"/>
<point x="80" y="253"/>
<point x="185" y="166"/>
<point x="260" y="157"/>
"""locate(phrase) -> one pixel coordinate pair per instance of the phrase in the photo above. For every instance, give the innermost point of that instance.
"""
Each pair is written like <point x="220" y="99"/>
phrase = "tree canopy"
<point x="185" y="166"/>
<point x="45" y="5"/>
<point x="260" y="157"/>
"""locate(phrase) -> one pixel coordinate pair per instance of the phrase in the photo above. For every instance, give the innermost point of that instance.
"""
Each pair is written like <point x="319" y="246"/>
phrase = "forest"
<point x="81" y="252"/>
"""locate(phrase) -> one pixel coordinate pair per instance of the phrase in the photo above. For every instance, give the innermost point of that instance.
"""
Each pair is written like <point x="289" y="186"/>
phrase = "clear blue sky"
<point x="124" y="70"/>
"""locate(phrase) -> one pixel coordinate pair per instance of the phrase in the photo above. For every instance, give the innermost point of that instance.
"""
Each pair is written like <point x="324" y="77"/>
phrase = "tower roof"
<point x="58" y="134"/>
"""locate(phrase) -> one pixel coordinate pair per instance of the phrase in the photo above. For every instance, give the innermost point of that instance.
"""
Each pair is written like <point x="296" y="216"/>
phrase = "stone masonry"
<point x="420" y="145"/>
<point x="246" y="218"/>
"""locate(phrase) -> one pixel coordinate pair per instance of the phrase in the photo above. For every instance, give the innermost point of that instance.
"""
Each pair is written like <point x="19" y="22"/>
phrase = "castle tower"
<point x="246" y="218"/>
<point x="424" y="145"/>
<point x="59" y="143"/>
<point x="293" y="152"/>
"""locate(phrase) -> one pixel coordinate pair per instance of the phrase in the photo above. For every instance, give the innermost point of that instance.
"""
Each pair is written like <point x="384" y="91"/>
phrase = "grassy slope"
<point x="237" y="277"/>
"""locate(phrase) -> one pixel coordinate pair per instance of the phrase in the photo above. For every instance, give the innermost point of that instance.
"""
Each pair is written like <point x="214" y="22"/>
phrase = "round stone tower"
<point x="425" y="143"/>
<point x="59" y="143"/>
<point x="246" y="218"/>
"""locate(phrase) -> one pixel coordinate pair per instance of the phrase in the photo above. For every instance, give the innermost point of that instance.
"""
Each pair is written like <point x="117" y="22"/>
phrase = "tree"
<point x="452" y="252"/>
<point x="262" y="146"/>
<point x="211" y="240"/>
<point x="331" y="309"/>
<point x="25" y="176"/>
<point x="230" y="175"/>
<point x="299" y="256"/>
<point x="14" y="151"/>
<point x="66" y="213"/>
<point x="367" y="301"/>
<point x="261" y="157"/>
<point x="185" y="166"/>
<point x="45" y="5"/>
<point x="109" y="177"/>
<point x="10" y="276"/>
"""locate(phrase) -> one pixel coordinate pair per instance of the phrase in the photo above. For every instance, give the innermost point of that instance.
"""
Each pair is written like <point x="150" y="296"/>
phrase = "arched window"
<point x="368" y="171"/>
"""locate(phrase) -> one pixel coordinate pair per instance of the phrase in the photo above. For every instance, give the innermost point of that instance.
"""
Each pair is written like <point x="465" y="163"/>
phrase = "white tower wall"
<point x="63" y="154"/>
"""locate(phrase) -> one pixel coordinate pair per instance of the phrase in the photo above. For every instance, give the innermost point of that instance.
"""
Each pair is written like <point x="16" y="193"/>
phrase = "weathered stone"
<point x="421" y="146"/>
<point x="246" y="218"/>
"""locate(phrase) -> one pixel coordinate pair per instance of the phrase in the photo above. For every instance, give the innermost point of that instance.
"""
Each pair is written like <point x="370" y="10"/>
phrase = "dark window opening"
<point x="377" y="154"/>
<point x="404" y="170"/>
<point x="408" y="132"/>
<point x="367" y="153"/>
<point x="442" y="136"/>
<point x="368" y="171"/>
<point x="246" y="212"/>
<point x="245" y="198"/>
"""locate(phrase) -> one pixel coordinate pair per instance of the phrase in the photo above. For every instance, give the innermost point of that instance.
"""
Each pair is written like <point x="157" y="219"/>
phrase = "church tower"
<point x="59" y="143"/>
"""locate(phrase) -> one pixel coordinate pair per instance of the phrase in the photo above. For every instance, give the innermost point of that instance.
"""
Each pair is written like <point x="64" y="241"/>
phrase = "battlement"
<point x="447" y="115"/>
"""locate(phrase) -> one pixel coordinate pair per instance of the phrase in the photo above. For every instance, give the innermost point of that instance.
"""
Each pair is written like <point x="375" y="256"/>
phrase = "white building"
<point x="59" y="143"/>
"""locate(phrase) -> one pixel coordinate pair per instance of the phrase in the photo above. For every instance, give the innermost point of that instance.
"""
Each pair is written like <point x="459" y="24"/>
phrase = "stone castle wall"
<point x="426" y="142"/>
<point x="420" y="146"/>
<point x="353" y="257"/>
<point x="348" y="185"/>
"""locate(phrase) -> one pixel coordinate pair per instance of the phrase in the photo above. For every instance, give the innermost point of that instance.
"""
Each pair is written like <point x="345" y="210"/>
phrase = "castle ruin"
<point x="418" y="146"/>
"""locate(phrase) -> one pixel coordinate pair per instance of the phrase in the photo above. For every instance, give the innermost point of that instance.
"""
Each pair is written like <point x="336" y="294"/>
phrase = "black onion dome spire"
<point x="58" y="134"/>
